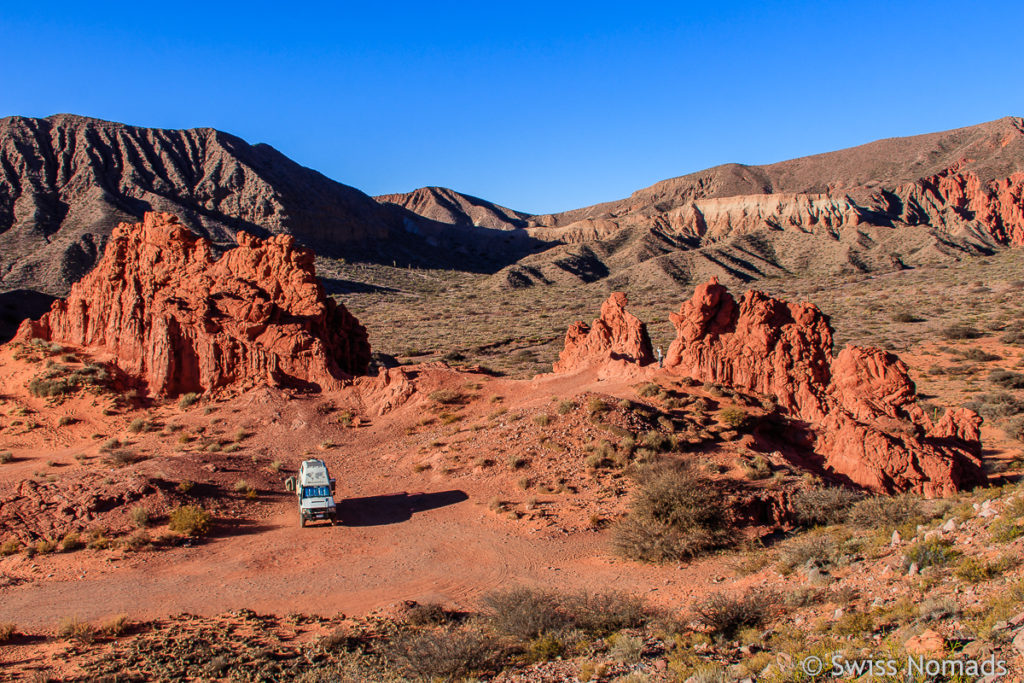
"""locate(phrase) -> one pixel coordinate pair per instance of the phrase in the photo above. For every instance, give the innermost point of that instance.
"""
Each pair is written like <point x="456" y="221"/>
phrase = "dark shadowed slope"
<point x="66" y="181"/>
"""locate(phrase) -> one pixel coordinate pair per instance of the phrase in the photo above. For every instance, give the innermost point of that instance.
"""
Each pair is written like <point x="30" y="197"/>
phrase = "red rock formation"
<point x="861" y="404"/>
<point x="762" y="344"/>
<point x="616" y="335"/>
<point x="181" y="320"/>
<point x="998" y="205"/>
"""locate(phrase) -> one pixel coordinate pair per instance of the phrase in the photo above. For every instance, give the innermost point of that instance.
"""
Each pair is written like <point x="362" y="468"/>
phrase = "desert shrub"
<point x="137" y="540"/>
<point x="809" y="550"/>
<point x="935" y="552"/>
<point x="603" y="613"/>
<point x="724" y="614"/>
<point x="566" y="407"/>
<point x="545" y="648"/>
<point x="657" y="441"/>
<point x="596" y="405"/>
<point x="1005" y="530"/>
<point x="185" y="486"/>
<point x="854" y="624"/>
<point x="973" y="570"/>
<point x="757" y="467"/>
<point x="140" y="517"/>
<point x="626" y="648"/>
<point x="138" y="425"/>
<point x="906" y="317"/>
<point x="7" y="632"/>
<point x="542" y="420"/>
<point x="66" y="420"/>
<point x="188" y="400"/>
<point x="6" y="457"/>
<point x="115" y="626"/>
<point x="886" y="512"/>
<point x="524" y="612"/>
<point x="45" y="546"/>
<point x="1014" y="336"/>
<point x="121" y="457"/>
<point x="242" y="486"/>
<point x="10" y="547"/>
<point x="447" y="655"/>
<point x="1007" y="379"/>
<point x="676" y="513"/>
<point x="276" y="466"/>
<point x="996" y="405"/>
<point x="648" y="390"/>
<point x="822" y="506"/>
<point x="527" y="613"/>
<point x="428" y="614"/>
<point x="960" y="331"/>
<point x="71" y="542"/>
<point x="72" y="628"/>
<point x="190" y="520"/>
<point x="979" y="356"/>
<point x="734" y="416"/>
<point x="445" y="396"/>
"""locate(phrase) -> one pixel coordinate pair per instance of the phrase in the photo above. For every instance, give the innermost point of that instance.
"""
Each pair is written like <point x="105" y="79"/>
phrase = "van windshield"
<point x="316" y="491"/>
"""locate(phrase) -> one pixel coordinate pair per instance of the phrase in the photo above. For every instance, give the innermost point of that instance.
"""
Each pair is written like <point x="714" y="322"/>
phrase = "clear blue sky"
<point x="539" y="106"/>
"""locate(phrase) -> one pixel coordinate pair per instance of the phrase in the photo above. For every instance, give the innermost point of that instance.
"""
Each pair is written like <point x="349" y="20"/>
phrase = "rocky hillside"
<point x="66" y="181"/>
<point x="888" y="204"/>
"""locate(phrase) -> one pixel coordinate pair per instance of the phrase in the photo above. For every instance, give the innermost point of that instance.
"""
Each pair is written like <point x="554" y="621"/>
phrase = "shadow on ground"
<point x="394" y="508"/>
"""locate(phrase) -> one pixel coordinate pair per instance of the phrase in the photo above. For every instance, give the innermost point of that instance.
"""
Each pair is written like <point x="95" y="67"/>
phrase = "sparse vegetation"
<point x="724" y="614"/>
<point x="190" y="520"/>
<point x="188" y="400"/>
<point x="676" y="513"/>
<point x="822" y="506"/>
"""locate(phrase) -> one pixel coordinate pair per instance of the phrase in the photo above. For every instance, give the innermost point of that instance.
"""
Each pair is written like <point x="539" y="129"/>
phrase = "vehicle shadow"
<point x="394" y="508"/>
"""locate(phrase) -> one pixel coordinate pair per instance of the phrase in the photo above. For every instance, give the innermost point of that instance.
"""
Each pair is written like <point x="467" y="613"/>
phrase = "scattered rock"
<point x="928" y="642"/>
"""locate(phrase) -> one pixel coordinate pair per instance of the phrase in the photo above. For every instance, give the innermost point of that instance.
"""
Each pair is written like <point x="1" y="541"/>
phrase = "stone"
<point x="914" y="570"/>
<point x="860" y="405"/>
<point x="177" y="319"/>
<point x="1018" y="642"/>
<point x="949" y="526"/>
<point x="927" y="643"/>
<point x="616" y="335"/>
<point x="896" y="538"/>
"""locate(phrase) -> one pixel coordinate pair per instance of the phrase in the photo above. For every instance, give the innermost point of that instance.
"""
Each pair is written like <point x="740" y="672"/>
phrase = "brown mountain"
<point x="454" y="208"/>
<point x="66" y="181"/>
<point x="890" y="203"/>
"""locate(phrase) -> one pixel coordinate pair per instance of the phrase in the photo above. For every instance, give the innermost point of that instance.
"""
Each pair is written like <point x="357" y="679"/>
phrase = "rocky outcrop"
<point x="957" y="199"/>
<point x="861" y="404"/>
<point x="179" y="319"/>
<point x="616" y="335"/>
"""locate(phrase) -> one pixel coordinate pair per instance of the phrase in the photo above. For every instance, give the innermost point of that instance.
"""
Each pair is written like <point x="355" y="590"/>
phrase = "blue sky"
<point x="538" y="106"/>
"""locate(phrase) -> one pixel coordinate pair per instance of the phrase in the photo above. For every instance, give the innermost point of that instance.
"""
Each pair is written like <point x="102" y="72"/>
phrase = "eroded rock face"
<point x="180" y="320"/>
<point x="616" y="335"/>
<point x="861" y="404"/>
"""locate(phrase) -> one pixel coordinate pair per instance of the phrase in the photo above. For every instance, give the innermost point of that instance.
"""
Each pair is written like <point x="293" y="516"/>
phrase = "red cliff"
<point x="861" y="404"/>
<point x="179" y="319"/>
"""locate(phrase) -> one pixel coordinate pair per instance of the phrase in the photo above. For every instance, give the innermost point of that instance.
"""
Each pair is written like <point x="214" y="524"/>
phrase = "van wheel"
<point x="334" y="520"/>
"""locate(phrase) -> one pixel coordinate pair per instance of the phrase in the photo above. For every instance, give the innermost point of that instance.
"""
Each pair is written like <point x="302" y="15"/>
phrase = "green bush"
<point x="935" y="552"/>
<point x="676" y="513"/>
<point x="733" y="416"/>
<point x="191" y="520"/>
